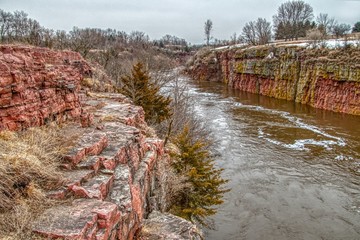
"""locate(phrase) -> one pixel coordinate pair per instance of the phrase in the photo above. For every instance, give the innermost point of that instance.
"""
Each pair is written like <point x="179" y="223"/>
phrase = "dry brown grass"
<point x="99" y="81"/>
<point x="28" y="168"/>
<point x="109" y="118"/>
<point x="171" y="182"/>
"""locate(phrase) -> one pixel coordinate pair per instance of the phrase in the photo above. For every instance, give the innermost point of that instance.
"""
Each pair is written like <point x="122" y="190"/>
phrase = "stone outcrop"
<point x="112" y="177"/>
<point x="111" y="172"/>
<point x="161" y="227"/>
<point x="205" y="66"/>
<point x="323" y="78"/>
<point x="38" y="85"/>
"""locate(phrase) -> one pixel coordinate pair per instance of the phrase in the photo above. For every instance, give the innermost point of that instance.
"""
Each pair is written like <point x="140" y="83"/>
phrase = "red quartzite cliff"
<point x="38" y="85"/>
<point x="322" y="78"/>
<point x="114" y="176"/>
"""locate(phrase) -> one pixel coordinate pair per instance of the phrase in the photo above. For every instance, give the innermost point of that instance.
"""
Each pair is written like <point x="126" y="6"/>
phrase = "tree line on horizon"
<point x="294" y="19"/>
<point x="18" y="27"/>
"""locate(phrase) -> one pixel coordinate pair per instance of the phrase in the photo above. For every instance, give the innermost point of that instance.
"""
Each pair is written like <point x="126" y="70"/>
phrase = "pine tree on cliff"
<point x="197" y="201"/>
<point x="145" y="93"/>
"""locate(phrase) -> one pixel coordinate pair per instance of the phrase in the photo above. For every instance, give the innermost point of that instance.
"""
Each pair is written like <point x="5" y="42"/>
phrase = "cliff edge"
<point x="113" y="176"/>
<point x="322" y="78"/>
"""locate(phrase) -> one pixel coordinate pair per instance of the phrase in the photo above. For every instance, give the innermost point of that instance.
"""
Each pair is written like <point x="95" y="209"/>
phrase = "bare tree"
<point x="208" y="28"/>
<point x="292" y="19"/>
<point x="257" y="32"/>
<point x="48" y="37"/>
<point x="263" y="31"/>
<point x="83" y="40"/>
<point x="249" y="33"/>
<point x="233" y="39"/>
<point x="325" y="23"/>
<point x="33" y="32"/>
<point x="341" y="29"/>
<point x="61" y="39"/>
<point x="122" y="37"/>
<point x="6" y="20"/>
<point x="183" y="112"/>
<point x="139" y="39"/>
<point x="20" y="25"/>
<point x="173" y="40"/>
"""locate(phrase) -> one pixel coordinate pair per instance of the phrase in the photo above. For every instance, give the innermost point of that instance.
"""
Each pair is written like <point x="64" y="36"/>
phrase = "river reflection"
<point x="294" y="170"/>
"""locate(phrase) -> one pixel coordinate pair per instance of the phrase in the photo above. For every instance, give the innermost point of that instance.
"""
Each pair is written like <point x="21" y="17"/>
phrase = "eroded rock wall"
<point x="322" y="78"/>
<point x="112" y="177"/>
<point x="111" y="173"/>
<point x="38" y="84"/>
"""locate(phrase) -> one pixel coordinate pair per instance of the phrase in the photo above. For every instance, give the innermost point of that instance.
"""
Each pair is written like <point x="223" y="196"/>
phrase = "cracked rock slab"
<point x="165" y="226"/>
<point x="80" y="220"/>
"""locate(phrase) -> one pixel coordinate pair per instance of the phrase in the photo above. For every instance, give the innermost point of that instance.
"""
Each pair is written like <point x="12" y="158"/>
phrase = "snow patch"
<point x="331" y="43"/>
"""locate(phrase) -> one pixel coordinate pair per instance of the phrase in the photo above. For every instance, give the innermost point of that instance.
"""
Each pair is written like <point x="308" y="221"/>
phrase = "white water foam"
<point x="299" y="144"/>
<point x="343" y="158"/>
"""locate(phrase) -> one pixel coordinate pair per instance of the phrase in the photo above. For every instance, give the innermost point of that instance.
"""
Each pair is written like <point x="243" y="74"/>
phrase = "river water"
<point x="294" y="170"/>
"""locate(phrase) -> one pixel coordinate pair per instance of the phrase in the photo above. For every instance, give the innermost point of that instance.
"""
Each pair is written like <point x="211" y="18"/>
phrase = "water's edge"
<point x="293" y="170"/>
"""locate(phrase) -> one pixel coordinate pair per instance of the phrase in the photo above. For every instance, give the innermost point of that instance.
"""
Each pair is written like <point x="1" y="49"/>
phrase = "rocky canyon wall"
<point x="38" y="85"/>
<point x="114" y="176"/>
<point x="322" y="78"/>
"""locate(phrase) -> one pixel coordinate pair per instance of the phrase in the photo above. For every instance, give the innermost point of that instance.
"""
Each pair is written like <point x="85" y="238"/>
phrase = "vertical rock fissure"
<point x="297" y="76"/>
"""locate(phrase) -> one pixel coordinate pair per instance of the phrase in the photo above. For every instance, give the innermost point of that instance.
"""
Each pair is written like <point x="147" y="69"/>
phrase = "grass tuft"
<point x="29" y="164"/>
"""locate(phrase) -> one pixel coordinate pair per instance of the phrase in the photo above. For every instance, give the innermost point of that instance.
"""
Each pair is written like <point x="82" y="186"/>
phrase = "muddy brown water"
<point x="294" y="170"/>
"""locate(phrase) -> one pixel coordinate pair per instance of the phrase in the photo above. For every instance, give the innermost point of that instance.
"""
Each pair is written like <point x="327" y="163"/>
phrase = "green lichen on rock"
<point x="286" y="62"/>
<point x="299" y="74"/>
<point x="324" y="78"/>
<point x="239" y="67"/>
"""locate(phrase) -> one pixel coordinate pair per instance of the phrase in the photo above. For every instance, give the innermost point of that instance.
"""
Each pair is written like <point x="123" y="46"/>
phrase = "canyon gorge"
<point x="114" y="181"/>
<point x="322" y="78"/>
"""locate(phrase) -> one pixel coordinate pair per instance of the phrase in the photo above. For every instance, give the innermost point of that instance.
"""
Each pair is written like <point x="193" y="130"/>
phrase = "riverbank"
<point x="322" y="78"/>
<point x="293" y="169"/>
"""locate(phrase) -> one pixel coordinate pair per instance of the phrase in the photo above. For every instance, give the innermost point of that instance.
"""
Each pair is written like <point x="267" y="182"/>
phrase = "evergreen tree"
<point x="197" y="202"/>
<point x="145" y="93"/>
<point x="356" y="27"/>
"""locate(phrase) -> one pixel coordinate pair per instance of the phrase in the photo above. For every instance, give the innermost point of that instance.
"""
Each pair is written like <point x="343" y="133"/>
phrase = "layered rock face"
<point x="113" y="176"/>
<point x="111" y="173"/>
<point x="37" y="85"/>
<point x="327" y="79"/>
<point x="205" y="66"/>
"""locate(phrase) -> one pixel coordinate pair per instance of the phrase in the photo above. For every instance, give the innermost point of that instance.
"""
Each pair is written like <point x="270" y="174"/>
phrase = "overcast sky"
<point x="183" y="18"/>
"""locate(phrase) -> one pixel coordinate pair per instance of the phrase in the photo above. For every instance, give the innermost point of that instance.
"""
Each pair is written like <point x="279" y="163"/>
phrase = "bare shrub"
<point x="99" y="81"/>
<point x="171" y="183"/>
<point x="257" y="32"/>
<point x="316" y="37"/>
